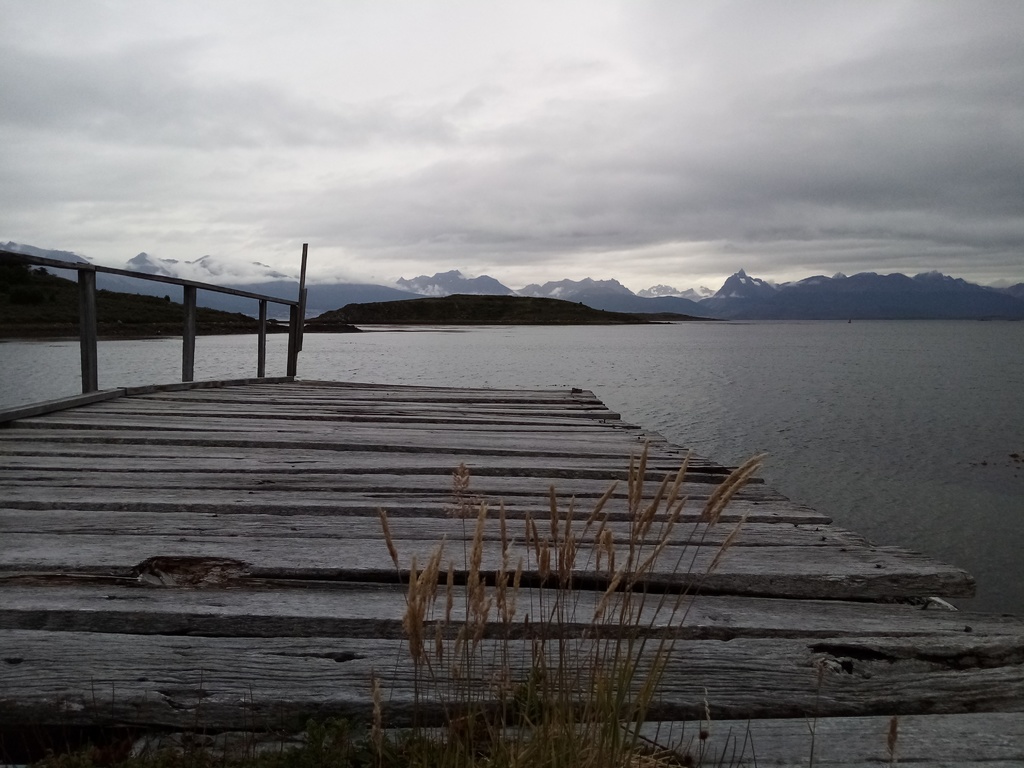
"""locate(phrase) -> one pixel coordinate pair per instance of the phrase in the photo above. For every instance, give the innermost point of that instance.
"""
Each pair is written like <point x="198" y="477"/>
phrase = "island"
<point x="461" y="309"/>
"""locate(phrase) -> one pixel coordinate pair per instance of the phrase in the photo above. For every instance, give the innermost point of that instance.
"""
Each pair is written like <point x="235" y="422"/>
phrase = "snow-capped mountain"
<point x="738" y="293"/>
<point x="43" y="253"/>
<point x="743" y="286"/>
<point x="146" y="263"/>
<point x="613" y="296"/>
<point x="452" y="282"/>
<point x="571" y="290"/>
<point x="256" y="271"/>
<point x="693" y="294"/>
<point x="205" y="269"/>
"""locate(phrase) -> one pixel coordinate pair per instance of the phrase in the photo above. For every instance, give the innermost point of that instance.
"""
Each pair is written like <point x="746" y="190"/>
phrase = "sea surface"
<point x="902" y="431"/>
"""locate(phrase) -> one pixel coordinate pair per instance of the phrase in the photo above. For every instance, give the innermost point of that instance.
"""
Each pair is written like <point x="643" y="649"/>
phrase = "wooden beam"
<point x="60" y="404"/>
<point x="9" y="257"/>
<point x="87" y="330"/>
<point x="261" y="353"/>
<point x="241" y="682"/>
<point x="293" y="340"/>
<point x="302" y="296"/>
<point x="188" y="336"/>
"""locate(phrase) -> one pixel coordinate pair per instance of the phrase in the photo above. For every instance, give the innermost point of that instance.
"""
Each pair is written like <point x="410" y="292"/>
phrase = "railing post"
<point x="88" y="318"/>
<point x="261" y="354"/>
<point x="297" y="319"/>
<point x="87" y="329"/>
<point x="293" y="340"/>
<point x="188" y="335"/>
<point x="302" y="295"/>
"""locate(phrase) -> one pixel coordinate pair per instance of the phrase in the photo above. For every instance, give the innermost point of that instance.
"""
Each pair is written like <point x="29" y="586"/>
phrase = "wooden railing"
<point x="87" y="330"/>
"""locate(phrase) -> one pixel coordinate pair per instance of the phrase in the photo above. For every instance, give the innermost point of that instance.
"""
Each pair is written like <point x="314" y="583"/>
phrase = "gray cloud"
<point x="686" y="141"/>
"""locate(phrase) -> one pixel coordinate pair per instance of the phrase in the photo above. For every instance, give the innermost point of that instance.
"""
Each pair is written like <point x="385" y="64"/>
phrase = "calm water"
<point x="901" y="431"/>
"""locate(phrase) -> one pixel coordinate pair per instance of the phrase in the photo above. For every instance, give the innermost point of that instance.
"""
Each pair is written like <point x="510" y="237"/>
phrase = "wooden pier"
<point x="212" y="557"/>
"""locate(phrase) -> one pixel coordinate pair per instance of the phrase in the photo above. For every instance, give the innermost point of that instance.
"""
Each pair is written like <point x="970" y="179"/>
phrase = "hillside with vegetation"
<point x="470" y="310"/>
<point x="37" y="304"/>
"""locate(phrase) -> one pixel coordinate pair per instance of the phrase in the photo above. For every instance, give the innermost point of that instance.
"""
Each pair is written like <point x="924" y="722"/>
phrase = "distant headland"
<point x="463" y="309"/>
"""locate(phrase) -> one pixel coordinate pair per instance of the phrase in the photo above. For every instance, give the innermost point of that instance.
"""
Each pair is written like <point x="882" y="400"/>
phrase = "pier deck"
<point x="212" y="557"/>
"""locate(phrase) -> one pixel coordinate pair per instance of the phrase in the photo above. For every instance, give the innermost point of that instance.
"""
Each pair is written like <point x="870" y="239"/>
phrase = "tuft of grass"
<point x="524" y="687"/>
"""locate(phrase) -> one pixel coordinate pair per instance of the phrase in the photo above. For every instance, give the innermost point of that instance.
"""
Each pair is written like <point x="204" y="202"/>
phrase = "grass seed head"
<point x="725" y="545"/>
<point x="388" y="540"/>
<point x="729" y="487"/>
<point x="449" y="594"/>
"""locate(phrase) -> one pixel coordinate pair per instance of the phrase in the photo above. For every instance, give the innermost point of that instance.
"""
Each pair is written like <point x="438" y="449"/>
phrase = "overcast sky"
<point x="653" y="142"/>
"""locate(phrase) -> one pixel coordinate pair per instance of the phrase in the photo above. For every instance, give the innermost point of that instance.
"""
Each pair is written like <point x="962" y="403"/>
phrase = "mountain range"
<point x="867" y="295"/>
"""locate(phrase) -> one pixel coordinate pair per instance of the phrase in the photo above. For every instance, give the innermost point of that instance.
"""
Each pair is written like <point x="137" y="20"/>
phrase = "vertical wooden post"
<point x="87" y="329"/>
<point x="293" y="340"/>
<point x="302" y="295"/>
<point x="297" y="319"/>
<point x="261" y="354"/>
<point x="188" y="336"/>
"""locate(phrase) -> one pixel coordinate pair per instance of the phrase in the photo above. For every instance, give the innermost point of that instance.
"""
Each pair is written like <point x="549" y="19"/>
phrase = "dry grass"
<point x="522" y="684"/>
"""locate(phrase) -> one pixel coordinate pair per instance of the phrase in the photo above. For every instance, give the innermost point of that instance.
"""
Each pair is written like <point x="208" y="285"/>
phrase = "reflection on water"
<point x="901" y="431"/>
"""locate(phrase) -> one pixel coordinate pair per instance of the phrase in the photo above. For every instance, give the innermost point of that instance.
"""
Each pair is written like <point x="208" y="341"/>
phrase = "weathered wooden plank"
<point x="225" y="385"/>
<point x="434" y="529"/>
<point x="352" y="504"/>
<point x="313" y="391"/>
<point x="203" y="682"/>
<point x="455" y="417"/>
<point x="325" y="385"/>
<point x="96" y="458"/>
<point x="356" y="505"/>
<point x="576" y="412"/>
<point x="487" y="486"/>
<point x="373" y="401"/>
<point x="302" y="393"/>
<point x="49" y="406"/>
<point x="988" y="740"/>
<point x="77" y="420"/>
<point x="801" y="572"/>
<point x="408" y="440"/>
<point x="368" y="439"/>
<point x="362" y="610"/>
<point x="212" y="457"/>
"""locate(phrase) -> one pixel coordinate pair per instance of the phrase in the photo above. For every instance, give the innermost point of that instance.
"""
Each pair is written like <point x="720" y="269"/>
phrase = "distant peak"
<point x="146" y="264"/>
<point x="453" y="281"/>
<point x="659" y="290"/>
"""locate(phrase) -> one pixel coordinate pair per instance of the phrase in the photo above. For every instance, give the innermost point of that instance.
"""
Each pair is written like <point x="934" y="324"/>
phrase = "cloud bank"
<point x="654" y="142"/>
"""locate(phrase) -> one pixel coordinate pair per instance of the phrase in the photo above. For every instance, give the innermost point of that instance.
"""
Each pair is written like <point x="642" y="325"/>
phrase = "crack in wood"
<point x="340" y="657"/>
<point x="1006" y="654"/>
<point x="165" y="571"/>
